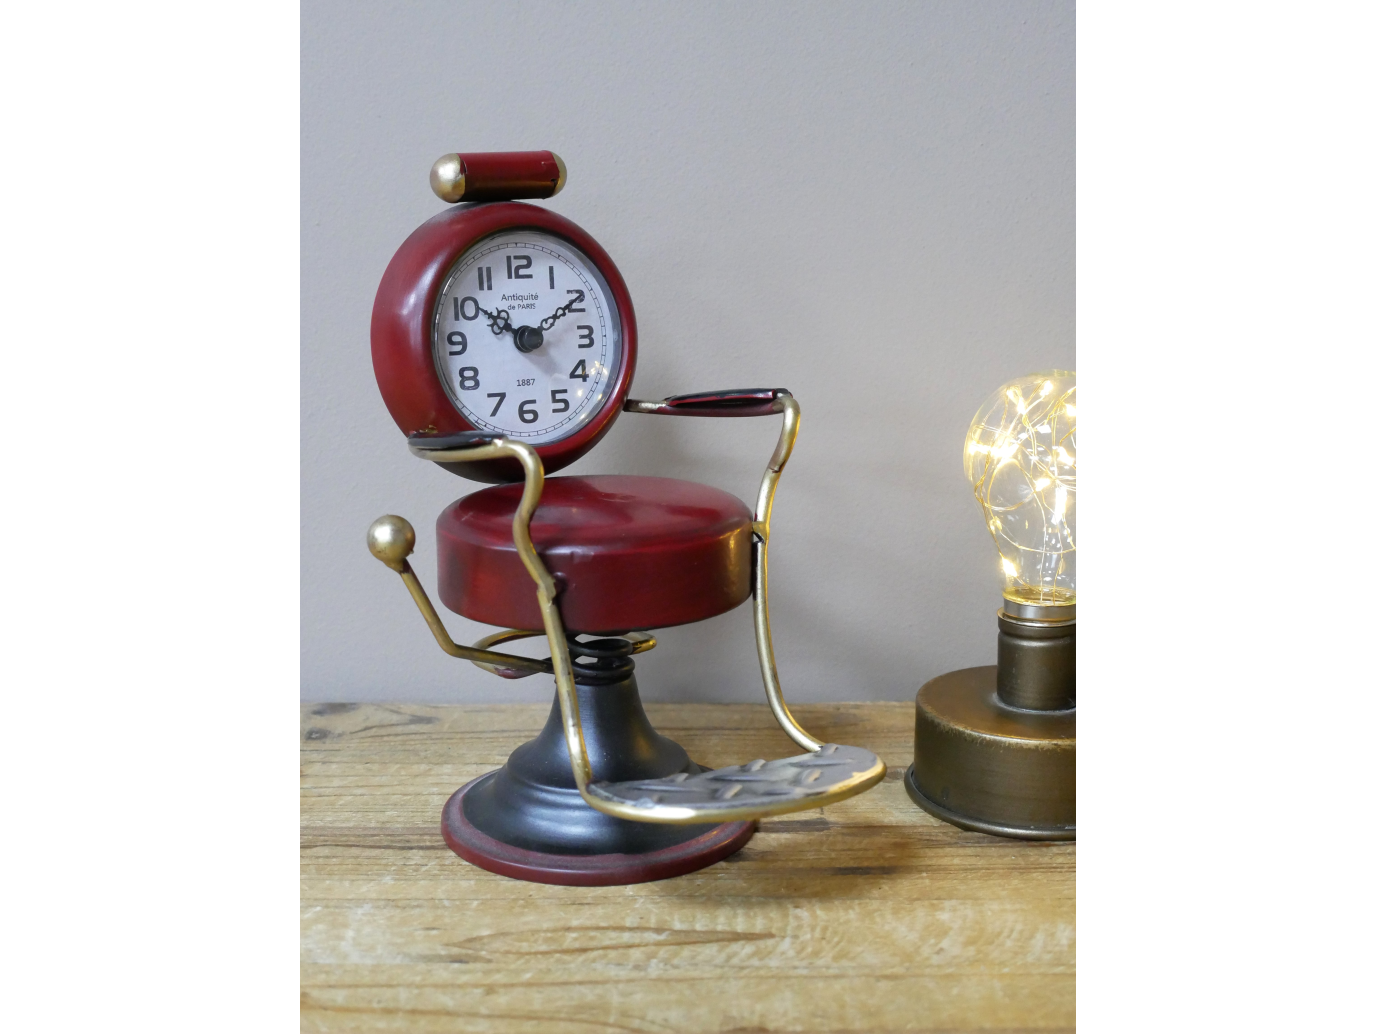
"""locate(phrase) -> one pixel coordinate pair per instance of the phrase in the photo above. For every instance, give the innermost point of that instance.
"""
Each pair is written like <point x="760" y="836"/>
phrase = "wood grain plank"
<point x="867" y="916"/>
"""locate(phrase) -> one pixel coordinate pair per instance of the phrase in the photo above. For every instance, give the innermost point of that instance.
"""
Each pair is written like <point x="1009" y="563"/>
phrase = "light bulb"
<point x="1020" y="458"/>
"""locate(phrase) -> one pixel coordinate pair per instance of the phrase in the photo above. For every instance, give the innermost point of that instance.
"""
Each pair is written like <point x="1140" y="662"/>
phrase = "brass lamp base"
<point x="989" y="768"/>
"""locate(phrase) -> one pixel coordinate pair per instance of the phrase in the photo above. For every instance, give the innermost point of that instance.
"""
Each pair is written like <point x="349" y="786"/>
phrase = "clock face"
<point x="562" y="375"/>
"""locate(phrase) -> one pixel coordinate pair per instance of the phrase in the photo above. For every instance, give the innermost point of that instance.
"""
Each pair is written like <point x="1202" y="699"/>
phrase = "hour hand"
<point x="499" y="321"/>
<point x="528" y="339"/>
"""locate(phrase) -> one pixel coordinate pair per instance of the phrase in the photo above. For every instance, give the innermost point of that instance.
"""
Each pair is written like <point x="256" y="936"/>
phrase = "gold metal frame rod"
<point x="764" y="640"/>
<point x="861" y="768"/>
<point x="545" y="591"/>
<point x="764" y="509"/>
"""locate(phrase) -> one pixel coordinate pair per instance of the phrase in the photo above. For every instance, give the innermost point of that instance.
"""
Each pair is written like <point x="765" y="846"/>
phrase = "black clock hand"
<point x="527" y="338"/>
<point x="499" y="321"/>
<point x="559" y="313"/>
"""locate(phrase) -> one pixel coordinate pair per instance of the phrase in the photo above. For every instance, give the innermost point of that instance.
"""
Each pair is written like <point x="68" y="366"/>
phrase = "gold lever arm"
<point x="391" y="539"/>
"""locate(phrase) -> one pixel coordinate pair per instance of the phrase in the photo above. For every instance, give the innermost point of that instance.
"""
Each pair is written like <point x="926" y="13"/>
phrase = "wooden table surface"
<point x="869" y="917"/>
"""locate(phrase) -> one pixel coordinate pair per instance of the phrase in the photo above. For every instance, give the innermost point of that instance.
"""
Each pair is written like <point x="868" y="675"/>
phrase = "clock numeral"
<point x="551" y="278"/>
<point x="468" y="378"/>
<point x="522" y="263"/>
<point x="584" y="336"/>
<point x="458" y="342"/>
<point x="561" y="405"/>
<point x="461" y="308"/>
<point x="500" y="396"/>
<point x="576" y="301"/>
<point x="579" y="372"/>
<point x="528" y="416"/>
<point x="484" y="284"/>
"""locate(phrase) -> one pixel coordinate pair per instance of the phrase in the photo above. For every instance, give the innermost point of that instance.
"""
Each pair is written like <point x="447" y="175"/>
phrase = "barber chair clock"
<point x="504" y="345"/>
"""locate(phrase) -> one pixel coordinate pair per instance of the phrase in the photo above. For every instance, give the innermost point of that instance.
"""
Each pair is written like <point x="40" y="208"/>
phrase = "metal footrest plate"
<point x="750" y="791"/>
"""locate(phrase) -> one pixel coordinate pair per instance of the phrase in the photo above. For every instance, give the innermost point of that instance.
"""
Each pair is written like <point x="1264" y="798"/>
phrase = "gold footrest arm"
<point x="749" y="403"/>
<point x="764" y="640"/>
<point x="830" y="772"/>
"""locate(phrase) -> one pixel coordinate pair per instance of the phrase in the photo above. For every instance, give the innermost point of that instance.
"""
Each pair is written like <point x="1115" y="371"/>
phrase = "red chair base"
<point x="598" y="870"/>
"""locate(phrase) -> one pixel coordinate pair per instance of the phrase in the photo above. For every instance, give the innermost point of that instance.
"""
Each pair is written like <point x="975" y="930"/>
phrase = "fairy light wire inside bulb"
<point x="1020" y="459"/>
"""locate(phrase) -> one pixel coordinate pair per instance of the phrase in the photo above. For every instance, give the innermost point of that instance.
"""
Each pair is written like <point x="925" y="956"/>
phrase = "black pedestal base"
<point x="585" y="870"/>
<point x="527" y="820"/>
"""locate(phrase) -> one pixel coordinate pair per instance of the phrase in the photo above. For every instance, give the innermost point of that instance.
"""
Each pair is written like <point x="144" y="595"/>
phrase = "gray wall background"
<point x="871" y="204"/>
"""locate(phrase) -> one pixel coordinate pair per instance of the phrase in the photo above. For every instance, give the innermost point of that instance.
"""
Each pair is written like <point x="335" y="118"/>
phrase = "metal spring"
<point x="611" y="659"/>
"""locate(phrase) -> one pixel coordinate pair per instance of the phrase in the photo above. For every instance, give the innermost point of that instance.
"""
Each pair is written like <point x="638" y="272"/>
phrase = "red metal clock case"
<point x="403" y="357"/>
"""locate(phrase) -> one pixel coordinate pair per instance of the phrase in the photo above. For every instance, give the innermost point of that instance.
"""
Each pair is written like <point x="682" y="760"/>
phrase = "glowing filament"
<point x="1024" y="437"/>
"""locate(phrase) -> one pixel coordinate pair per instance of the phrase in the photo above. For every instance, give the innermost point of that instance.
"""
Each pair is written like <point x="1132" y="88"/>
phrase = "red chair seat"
<point x="628" y="554"/>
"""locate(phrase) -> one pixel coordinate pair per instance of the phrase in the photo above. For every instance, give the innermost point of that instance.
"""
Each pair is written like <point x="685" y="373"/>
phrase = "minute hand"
<point x="559" y="314"/>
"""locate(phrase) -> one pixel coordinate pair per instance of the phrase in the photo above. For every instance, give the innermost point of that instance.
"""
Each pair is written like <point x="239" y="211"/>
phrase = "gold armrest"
<point x="758" y="402"/>
<point x="829" y="772"/>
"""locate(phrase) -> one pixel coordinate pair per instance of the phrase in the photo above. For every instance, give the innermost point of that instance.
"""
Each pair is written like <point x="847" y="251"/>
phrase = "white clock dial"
<point x="552" y="390"/>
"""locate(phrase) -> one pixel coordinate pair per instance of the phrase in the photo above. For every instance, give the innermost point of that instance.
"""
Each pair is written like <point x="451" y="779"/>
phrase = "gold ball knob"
<point x="391" y="540"/>
<point x="563" y="173"/>
<point x="446" y="178"/>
